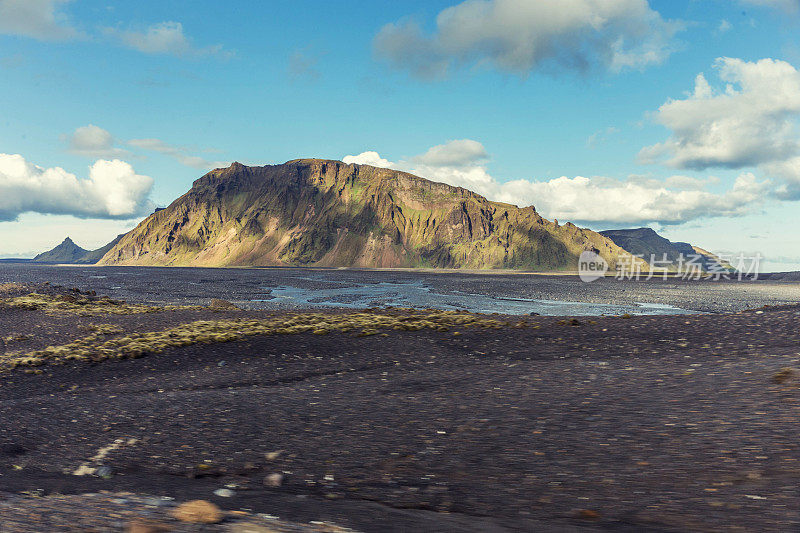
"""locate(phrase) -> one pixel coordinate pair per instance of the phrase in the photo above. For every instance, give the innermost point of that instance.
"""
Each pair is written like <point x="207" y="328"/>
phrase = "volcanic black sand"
<point x="668" y="423"/>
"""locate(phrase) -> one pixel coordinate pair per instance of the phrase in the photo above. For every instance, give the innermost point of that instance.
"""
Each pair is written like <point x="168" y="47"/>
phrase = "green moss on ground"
<point x="110" y="342"/>
<point x="83" y="305"/>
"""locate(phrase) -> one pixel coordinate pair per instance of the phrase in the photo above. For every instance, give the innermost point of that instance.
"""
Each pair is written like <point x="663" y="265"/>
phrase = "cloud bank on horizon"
<point x="633" y="200"/>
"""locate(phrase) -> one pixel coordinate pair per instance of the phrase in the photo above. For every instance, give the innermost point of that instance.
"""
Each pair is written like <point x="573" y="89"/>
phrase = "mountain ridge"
<point x="70" y="253"/>
<point x="317" y="212"/>
<point x="653" y="247"/>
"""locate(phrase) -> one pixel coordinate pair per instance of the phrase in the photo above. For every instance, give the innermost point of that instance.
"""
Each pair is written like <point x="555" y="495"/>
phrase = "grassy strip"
<point x="98" y="346"/>
<point x="84" y="305"/>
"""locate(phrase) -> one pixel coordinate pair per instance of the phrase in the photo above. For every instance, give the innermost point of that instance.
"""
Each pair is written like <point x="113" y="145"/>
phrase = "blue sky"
<point x="110" y="108"/>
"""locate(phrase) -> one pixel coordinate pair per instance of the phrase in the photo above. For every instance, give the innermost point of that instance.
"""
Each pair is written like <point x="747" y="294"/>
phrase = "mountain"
<point x="66" y="252"/>
<point x="327" y="213"/>
<point x="70" y="253"/>
<point x="648" y="244"/>
<point x="90" y="258"/>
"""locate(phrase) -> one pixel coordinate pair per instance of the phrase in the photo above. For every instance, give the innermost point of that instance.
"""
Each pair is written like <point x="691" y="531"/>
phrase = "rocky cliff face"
<point x="327" y="213"/>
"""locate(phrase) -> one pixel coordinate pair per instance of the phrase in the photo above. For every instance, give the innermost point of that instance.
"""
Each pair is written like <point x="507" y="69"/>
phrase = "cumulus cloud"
<point x="94" y="141"/>
<point x="112" y="190"/>
<point x="368" y="158"/>
<point x="634" y="200"/>
<point x="179" y="153"/>
<point x="789" y="172"/>
<point x="39" y="19"/>
<point x="165" y="38"/>
<point x="518" y="36"/>
<point x="748" y="122"/>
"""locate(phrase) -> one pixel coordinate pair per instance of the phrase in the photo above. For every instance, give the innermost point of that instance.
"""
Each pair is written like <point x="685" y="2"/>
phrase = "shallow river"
<point x="486" y="292"/>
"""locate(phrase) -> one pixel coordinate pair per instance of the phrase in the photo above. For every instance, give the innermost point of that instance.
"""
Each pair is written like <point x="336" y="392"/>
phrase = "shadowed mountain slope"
<point x="92" y="257"/>
<point x="651" y="246"/>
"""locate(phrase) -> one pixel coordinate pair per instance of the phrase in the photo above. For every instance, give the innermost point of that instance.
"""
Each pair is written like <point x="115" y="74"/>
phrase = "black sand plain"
<point x="643" y="423"/>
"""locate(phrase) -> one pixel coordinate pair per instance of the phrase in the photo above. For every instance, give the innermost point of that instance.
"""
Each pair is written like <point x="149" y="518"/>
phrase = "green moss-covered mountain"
<point x="327" y="213"/>
<point x="70" y="253"/>
<point x="66" y="252"/>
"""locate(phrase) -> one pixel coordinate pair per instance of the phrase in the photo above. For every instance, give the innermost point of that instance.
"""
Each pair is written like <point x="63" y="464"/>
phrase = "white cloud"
<point x="518" y="36"/>
<point x="750" y="121"/>
<point x="632" y="201"/>
<point x="724" y="26"/>
<point x="94" y="141"/>
<point x="112" y="190"/>
<point x="635" y="200"/>
<point x="454" y="153"/>
<point x="179" y="153"/>
<point x="368" y="158"/>
<point x="39" y="19"/>
<point x="789" y="172"/>
<point x="788" y="6"/>
<point x="163" y="38"/>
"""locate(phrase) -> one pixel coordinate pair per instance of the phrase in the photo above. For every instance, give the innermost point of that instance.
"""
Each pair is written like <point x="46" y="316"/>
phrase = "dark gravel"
<point x="648" y="423"/>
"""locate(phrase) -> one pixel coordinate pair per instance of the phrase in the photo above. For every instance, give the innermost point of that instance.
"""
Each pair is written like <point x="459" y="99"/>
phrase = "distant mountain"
<point x="649" y="244"/>
<point x="70" y="253"/>
<point x="327" y="213"/>
<point x="66" y="252"/>
<point x="94" y="256"/>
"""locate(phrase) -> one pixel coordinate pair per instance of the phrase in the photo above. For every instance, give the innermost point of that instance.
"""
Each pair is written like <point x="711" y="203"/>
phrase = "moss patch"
<point x="83" y="305"/>
<point x="109" y="342"/>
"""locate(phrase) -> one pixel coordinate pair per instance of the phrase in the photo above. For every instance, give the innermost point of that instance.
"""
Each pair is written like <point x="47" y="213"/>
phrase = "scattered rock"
<point x="12" y="450"/>
<point x="249" y="527"/>
<point x="271" y="456"/>
<point x="147" y="526"/>
<point x="224" y="493"/>
<point x="588" y="514"/>
<point x="273" y="480"/>
<point x="104" y="472"/>
<point x="783" y="375"/>
<point x="222" y="305"/>
<point x="162" y="501"/>
<point x="198" y="512"/>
